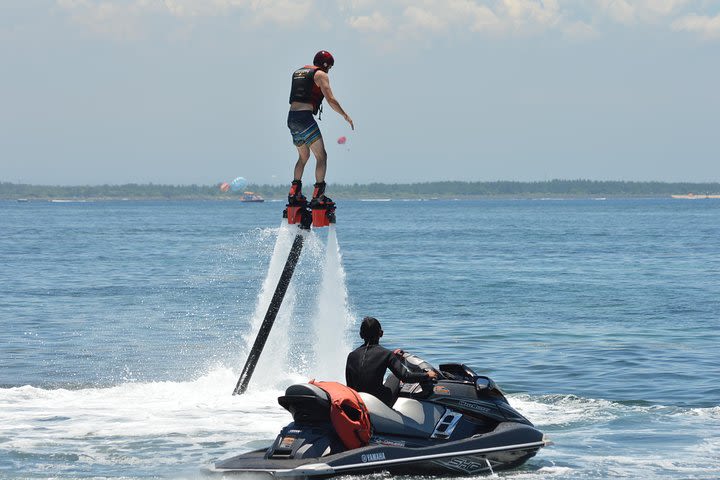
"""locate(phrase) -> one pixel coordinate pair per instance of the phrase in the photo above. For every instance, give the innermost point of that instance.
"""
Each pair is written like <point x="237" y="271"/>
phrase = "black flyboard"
<point x="274" y="307"/>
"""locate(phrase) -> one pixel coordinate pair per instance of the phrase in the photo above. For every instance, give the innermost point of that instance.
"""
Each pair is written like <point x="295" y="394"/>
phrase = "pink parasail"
<point x="224" y="187"/>
<point x="342" y="140"/>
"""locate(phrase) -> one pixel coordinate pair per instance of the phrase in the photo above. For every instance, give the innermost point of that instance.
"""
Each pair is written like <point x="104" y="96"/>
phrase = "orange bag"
<point x="348" y="414"/>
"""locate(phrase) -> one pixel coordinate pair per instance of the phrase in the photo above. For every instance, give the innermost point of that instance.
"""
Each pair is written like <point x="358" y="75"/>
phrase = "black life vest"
<point x="304" y="89"/>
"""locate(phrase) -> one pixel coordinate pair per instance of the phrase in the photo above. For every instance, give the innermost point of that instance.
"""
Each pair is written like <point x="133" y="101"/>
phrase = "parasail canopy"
<point x="342" y="140"/>
<point x="238" y="185"/>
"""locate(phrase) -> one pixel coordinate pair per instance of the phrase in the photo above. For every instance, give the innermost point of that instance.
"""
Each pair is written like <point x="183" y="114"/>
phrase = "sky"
<point x="196" y="91"/>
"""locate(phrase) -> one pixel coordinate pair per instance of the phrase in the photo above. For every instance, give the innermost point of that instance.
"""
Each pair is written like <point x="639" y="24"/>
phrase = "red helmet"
<point x="324" y="60"/>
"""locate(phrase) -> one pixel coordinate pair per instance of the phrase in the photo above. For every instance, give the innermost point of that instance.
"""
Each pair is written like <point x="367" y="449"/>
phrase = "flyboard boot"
<point x="323" y="208"/>
<point x="296" y="211"/>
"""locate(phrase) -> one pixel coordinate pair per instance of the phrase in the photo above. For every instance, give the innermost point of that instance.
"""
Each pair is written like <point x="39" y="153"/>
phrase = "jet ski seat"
<point x="307" y="403"/>
<point x="409" y="417"/>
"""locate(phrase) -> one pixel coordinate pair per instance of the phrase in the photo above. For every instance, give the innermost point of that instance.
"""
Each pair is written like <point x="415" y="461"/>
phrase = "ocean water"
<point x="124" y="326"/>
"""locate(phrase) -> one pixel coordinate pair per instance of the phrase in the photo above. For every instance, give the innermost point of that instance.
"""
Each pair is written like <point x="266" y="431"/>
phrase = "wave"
<point x="568" y="410"/>
<point x="161" y="428"/>
<point x="137" y="409"/>
<point x="200" y="405"/>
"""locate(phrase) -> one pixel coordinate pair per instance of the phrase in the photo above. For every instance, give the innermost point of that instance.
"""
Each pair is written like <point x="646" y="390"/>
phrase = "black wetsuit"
<point x="365" y="370"/>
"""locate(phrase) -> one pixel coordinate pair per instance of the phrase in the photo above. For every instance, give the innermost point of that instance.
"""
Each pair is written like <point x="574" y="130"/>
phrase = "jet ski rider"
<point x="366" y="366"/>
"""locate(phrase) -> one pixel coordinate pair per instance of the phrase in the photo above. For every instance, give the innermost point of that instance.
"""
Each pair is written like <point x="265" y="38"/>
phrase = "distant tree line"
<point x="448" y="189"/>
<point x="129" y="190"/>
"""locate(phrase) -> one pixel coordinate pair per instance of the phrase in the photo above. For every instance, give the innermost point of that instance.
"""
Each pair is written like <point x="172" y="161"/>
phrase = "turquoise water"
<point x="124" y="326"/>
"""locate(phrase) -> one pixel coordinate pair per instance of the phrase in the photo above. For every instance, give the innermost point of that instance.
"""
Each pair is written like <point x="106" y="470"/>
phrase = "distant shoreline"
<point x="357" y="199"/>
<point x="553" y="189"/>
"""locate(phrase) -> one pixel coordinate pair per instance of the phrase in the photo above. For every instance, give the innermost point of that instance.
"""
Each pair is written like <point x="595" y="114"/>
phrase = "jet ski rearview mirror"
<point x="484" y="383"/>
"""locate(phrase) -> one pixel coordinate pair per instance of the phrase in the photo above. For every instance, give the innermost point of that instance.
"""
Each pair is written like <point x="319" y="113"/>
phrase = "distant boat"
<point x="22" y="200"/>
<point x="693" y="196"/>
<point x="251" y="197"/>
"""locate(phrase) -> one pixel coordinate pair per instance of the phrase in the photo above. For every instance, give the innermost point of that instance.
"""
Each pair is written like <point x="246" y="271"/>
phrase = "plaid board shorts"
<point x="303" y="127"/>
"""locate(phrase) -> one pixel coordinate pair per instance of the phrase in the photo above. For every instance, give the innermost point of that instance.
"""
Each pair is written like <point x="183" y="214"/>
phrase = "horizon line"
<point x="559" y="180"/>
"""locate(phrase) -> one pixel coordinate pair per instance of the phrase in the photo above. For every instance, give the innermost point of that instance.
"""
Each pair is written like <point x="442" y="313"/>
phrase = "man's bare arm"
<point x="323" y="81"/>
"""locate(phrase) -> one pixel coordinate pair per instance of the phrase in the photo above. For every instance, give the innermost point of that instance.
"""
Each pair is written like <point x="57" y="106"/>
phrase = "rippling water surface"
<point x="124" y="325"/>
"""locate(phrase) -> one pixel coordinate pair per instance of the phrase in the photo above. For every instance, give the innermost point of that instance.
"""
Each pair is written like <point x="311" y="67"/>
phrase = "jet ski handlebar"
<point x="447" y="371"/>
<point x="417" y="364"/>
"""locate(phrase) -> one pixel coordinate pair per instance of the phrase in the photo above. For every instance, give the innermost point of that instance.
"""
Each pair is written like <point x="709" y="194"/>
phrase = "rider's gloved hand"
<point x="432" y="374"/>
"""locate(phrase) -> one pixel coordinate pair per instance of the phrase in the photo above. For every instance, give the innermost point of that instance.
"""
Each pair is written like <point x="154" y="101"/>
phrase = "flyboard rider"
<point x="366" y="366"/>
<point x="310" y="84"/>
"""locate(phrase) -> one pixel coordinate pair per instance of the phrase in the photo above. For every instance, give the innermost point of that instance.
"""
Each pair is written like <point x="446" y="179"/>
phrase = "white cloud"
<point x="580" y="31"/>
<point x="501" y="16"/>
<point x="708" y="27"/>
<point x="532" y="12"/>
<point x="274" y="11"/>
<point x="358" y="4"/>
<point x="672" y="14"/>
<point x="290" y="13"/>
<point x="72" y="3"/>
<point x="123" y="18"/>
<point x="480" y="17"/>
<point x="405" y="19"/>
<point x="630" y="12"/>
<point x="370" y="23"/>
<point x="470" y="15"/>
<point x="662" y="7"/>
<point x="619" y="10"/>
<point x="424" y="19"/>
<point x="119" y="20"/>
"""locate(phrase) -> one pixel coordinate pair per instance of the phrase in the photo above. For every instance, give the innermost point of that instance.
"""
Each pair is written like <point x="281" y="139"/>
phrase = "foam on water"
<point x="592" y="445"/>
<point x="171" y="427"/>
<point x="139" y="424"/>
<point x="332" y="316"/>
<point x="563" y="410"/>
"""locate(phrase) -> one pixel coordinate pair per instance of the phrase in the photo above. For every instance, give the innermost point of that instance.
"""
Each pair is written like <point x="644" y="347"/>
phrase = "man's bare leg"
<point x="318" y="150"/>
<point x="303" y="156"/>
<point x="295" y="193"/>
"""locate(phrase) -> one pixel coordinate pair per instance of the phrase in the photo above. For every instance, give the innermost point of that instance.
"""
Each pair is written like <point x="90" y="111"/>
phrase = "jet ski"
<point x="460" y="424"/>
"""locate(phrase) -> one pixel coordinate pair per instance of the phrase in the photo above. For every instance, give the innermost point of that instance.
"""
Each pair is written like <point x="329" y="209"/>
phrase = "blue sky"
<point x="191" y="91"/>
